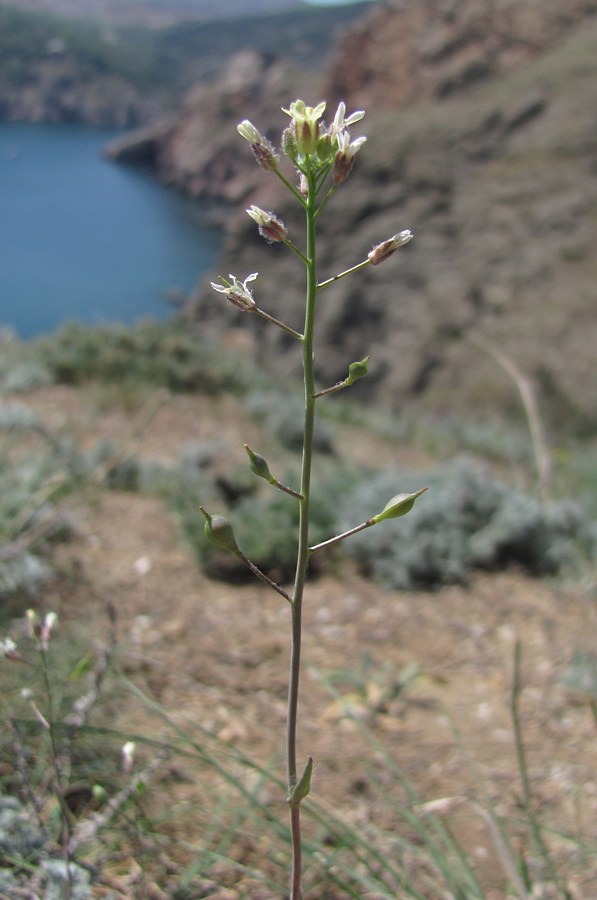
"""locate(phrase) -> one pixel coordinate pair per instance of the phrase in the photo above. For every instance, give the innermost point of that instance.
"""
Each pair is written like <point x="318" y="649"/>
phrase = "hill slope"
<point x="497" y="180"/>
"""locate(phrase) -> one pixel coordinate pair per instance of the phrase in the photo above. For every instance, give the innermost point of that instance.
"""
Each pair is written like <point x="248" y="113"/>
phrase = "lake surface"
<point x="84" y="238"/>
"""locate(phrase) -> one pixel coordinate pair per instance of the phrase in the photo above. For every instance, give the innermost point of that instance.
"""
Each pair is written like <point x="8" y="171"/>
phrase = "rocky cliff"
<point x="482" y="124"/>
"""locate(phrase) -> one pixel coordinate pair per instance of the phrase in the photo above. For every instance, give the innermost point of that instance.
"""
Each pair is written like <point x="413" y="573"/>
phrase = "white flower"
<point x="270" y="226"/>
<point x="262" y="149"/>
<point x="386" y="248"/>
<point x="345" y="154"/>
<point x="237" y="291"/>
<point x="341" y="123"/>
<point x="128" y="756"/>
<point x="306" y="125"/>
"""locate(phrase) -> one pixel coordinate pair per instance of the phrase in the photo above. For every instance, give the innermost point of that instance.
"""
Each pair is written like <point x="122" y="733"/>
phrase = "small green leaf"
<point x="398" y="506"/>
<point x="303" y="786"/>
<point x="81" y="667"/>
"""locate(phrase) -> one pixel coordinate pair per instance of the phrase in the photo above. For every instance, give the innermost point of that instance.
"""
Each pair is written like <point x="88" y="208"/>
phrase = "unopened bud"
<point x="258" y="465"/>
<point x="48" y="626"/>
<point x="386" y="248"/>
<point x="33" y="624"/>
<point x="263" y="151"/>
<point x="270" y="226"/>
<point x="288" y="143"/>
<point x="219" y="531"/>
<point x="344" y="158"/>
<point x="398" y="506"/>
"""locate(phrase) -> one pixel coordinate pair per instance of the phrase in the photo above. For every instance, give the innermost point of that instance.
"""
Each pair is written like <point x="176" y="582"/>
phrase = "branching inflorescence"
<point x="323" y="158"/>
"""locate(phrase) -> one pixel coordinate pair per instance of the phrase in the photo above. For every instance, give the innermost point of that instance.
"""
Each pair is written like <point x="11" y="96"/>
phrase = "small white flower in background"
<point x="49" y="624"/>
<point x="237" y="292"/>
<point x="26" y="694"/>
<point x="33" y="626"/>
<point x="386" y="248"/>
<point x="142" y="565"/>
<point x="128" y="757"/>
<point x="8" y="648"/>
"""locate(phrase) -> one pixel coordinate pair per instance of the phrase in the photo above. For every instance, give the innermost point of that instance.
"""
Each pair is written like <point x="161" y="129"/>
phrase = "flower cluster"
<point x="317" y="151"/>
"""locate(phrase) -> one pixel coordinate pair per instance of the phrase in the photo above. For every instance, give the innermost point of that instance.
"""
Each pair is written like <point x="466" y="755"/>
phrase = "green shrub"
<point x="469" y="520"/>
<point x="155" y="354"/>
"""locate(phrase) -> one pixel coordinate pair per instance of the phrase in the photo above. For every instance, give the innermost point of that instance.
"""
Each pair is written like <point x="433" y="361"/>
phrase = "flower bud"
<point x="270" y="226"/>
<point x="398" y="506"/>
<point x="219" y="531"/>
<point x="33" y="624"/>
<point x="344" y="158"/>
<point x="289" y="147"/>
<point x="48" y="627"/>
<point x="357" y="370"/>
<point x="386" y="248"/>
<point x="259" y="466"/>
<point x="263" y="151"/>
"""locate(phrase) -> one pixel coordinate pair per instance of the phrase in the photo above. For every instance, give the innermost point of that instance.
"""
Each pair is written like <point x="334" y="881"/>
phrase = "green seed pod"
<point x="357" y="370"/>
<point x="219" y="531"/>
<point x="398" y="506"/>
<point x="258" y="465"/>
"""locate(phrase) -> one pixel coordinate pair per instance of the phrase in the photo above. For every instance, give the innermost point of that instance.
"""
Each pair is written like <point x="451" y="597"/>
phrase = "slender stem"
<point x="303" y="543"/>
<point x="327" y="197"/>
<point x="64" y="810"/>
<point x="339" y="386"/>
<point x="328" y="281"/>
<point x="263" y="577"/>
<point x="340" y="537"/>
<point x="274" y="321"/>
<point x="295" y="250"/>
<point x="291" y="188"/>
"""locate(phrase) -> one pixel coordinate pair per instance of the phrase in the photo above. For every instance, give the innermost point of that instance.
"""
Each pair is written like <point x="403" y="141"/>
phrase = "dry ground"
<point x="218" y="655"/>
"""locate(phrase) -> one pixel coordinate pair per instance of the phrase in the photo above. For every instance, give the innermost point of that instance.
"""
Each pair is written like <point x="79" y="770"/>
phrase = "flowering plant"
<point x="323" y="158"/>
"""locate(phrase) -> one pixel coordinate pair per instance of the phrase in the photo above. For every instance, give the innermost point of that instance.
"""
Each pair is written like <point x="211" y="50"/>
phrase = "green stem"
<point x="64" y="810"/>
<point x="303" y="543"/>
<point x="274" y="321"/>
<point x="328" y="281"/>
<point x="340" y="537"/>
<point x="291" y="188"/>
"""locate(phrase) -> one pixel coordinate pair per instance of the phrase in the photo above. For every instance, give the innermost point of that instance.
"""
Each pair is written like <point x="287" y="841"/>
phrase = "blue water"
<point x="85" y="239"/>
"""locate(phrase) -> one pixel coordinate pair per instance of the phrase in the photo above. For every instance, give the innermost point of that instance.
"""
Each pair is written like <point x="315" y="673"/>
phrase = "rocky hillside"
<point x="482" y="129"/>
<point x="57" y="69"/>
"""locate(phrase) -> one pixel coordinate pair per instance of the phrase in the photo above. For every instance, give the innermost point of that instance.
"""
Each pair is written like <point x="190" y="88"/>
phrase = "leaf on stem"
<point x="303" y="786"/>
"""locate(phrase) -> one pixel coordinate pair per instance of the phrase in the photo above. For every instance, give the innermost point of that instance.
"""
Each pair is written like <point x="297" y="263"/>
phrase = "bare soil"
<point x="217" y="654"/>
